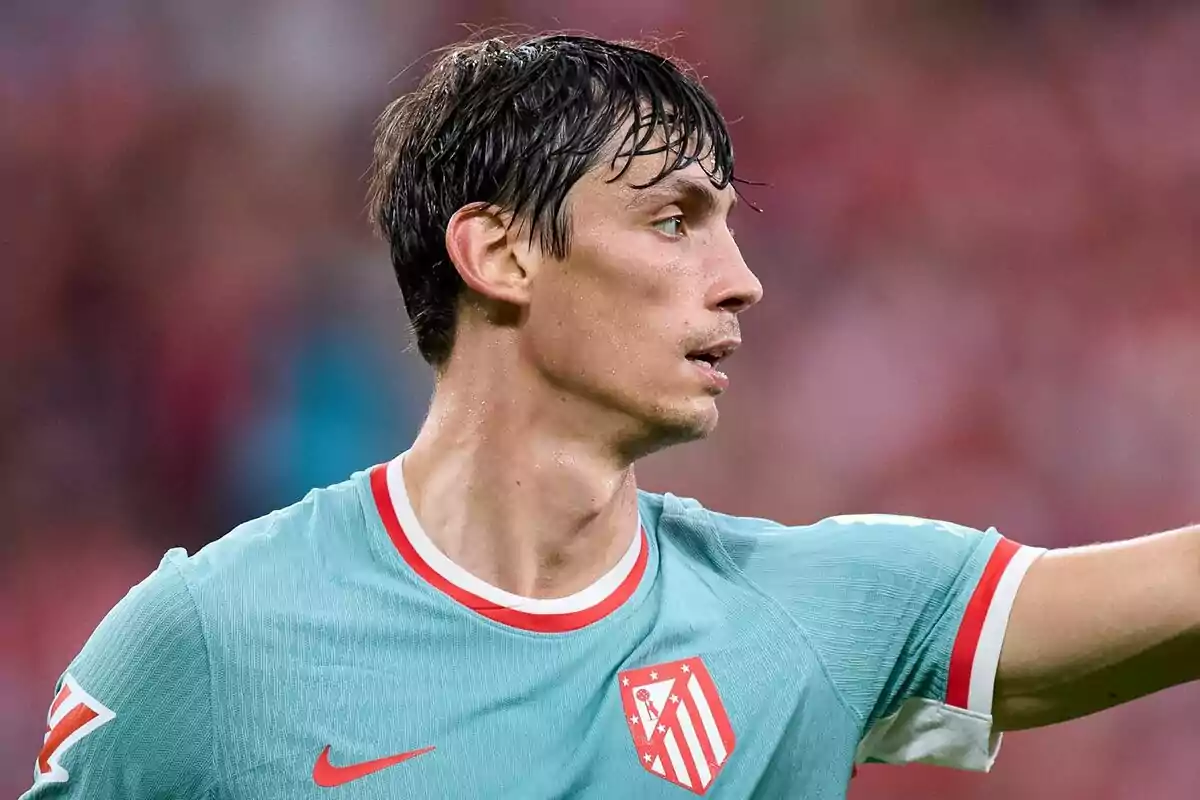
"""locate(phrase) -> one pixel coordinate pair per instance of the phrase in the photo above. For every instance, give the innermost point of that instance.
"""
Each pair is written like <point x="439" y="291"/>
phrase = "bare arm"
<point x="1093" y="627"/>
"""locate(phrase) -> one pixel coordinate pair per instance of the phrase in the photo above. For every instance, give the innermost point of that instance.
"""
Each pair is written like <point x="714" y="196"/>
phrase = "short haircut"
<point x="515" y="123"/>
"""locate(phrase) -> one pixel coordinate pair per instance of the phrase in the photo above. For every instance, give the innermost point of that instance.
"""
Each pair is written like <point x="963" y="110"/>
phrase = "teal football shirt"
<point x="329" y="650"/>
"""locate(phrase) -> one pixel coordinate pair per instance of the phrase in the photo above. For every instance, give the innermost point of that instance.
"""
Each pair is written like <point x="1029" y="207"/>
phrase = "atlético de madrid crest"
<point x="678" y="724"/>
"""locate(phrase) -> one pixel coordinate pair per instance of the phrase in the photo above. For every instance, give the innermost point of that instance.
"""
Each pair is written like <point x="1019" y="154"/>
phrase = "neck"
<point x="536" y="511"/>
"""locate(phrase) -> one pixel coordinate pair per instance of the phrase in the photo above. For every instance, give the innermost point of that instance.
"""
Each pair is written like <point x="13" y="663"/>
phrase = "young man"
<point x="499" y="612"/>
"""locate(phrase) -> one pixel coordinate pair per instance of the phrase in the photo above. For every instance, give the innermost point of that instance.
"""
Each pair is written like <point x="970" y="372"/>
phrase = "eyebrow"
<point x="696" y="193"/>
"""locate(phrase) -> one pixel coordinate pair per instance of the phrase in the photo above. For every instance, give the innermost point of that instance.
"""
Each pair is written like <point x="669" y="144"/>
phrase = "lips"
<point x="714" y="353"/>
<point x="708" y="357"/>
<point x="716" y="380"/>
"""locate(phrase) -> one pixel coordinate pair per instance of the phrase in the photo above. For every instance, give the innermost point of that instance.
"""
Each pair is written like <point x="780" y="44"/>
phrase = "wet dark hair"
<point x="515" y="122"/>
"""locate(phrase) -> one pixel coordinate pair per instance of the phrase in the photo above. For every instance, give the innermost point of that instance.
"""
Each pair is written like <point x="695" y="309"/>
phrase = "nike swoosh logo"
<point x="327" y="775"/>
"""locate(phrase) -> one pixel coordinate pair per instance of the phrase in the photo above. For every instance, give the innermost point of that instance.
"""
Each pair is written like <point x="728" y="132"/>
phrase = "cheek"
<point x="636" y="306"/>
<point x="570" y="329"/>
<point x="619" y="305"/>
<point x="654" y="306"/>
<point x="639" y="282"/>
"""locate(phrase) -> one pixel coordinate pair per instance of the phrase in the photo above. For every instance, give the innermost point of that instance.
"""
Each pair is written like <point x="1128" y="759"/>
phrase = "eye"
<point x="671" y="226"/>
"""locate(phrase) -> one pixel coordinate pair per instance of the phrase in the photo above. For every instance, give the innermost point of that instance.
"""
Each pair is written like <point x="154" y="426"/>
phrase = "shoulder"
<point x="146" y="661"/>
<point x="284" y="546"/>
<point x="856" y="537"/>
<point x="840" y="558"/>
<point x="278" y="548"/>
<point x="182" y="600"/>
<point x="158" y="614"/>
<point x="166" y="651"/>
<point x="255" y="583"/>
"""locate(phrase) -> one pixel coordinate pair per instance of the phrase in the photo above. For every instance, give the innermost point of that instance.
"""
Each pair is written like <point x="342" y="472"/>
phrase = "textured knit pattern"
<point x="231" y="670"/>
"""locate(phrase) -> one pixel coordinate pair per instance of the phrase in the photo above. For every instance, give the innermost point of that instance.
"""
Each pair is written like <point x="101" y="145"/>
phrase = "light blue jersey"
<point x="329" y="650"/>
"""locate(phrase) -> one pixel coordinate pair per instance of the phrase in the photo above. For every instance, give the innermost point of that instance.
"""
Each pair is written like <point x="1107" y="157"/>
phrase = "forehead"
<point x="618" y="176"/>
<point x="633" y="183"/>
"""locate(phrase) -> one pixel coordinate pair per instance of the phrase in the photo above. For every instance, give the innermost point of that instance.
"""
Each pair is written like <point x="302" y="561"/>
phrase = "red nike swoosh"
<point x="327" y="775"/>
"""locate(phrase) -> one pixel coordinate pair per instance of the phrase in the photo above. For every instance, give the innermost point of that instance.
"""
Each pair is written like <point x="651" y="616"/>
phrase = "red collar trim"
<point x="541" y="623"/>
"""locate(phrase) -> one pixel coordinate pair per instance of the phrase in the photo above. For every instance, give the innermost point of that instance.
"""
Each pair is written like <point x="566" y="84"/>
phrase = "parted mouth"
<point x="715" y="353"/>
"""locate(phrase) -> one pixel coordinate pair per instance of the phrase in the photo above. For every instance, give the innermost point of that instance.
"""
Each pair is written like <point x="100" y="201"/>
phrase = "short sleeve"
<point x="908" y="616"/>
<point x="131" y="715"/>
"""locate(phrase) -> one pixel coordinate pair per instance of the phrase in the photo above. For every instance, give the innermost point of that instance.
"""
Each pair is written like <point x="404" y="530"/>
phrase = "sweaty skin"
<point x="565" y="372"/>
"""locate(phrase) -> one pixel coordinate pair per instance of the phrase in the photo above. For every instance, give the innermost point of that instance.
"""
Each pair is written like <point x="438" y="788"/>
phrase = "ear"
<point x="481" y="249"/>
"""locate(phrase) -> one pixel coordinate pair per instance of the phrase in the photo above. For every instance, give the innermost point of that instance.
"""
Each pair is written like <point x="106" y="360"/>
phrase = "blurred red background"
<point x="979" y="244"/>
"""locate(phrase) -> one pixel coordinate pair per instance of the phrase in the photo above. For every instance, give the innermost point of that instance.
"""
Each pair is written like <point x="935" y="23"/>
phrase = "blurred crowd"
<point x="979" y="230"/>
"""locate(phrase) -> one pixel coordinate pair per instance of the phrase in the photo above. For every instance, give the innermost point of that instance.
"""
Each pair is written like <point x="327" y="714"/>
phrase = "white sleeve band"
<point x="959" y="734"/>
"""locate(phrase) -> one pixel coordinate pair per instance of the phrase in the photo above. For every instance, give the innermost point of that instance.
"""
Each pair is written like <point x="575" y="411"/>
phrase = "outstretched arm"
<point x="1093" y="627"/>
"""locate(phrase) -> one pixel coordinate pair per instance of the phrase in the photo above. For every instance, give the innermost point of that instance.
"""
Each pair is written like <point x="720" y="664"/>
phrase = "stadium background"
<point x="979" y="245"/>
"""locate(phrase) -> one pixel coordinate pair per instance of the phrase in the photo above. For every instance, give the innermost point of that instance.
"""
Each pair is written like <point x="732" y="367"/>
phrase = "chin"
<point x="695" y="420"/>
<point x="659" y="423"/>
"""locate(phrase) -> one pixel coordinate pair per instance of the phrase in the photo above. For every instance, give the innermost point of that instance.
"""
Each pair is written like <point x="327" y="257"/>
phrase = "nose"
<point x="737" y="287"/>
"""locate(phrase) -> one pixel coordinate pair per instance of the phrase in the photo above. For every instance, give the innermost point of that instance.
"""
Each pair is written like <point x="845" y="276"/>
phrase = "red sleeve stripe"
<point x="966" y="645"/>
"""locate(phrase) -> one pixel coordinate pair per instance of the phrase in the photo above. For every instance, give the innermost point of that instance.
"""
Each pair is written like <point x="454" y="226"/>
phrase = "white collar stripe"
<point x="440" y="563"/>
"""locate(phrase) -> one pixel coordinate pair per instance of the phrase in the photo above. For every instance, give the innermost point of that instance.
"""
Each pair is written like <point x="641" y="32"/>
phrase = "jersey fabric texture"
<point x="329" y="650"/>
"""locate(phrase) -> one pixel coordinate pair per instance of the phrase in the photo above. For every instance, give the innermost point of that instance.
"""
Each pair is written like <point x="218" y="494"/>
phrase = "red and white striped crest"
<point x="73" y="715"/>
<point x="677" y="721"/>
